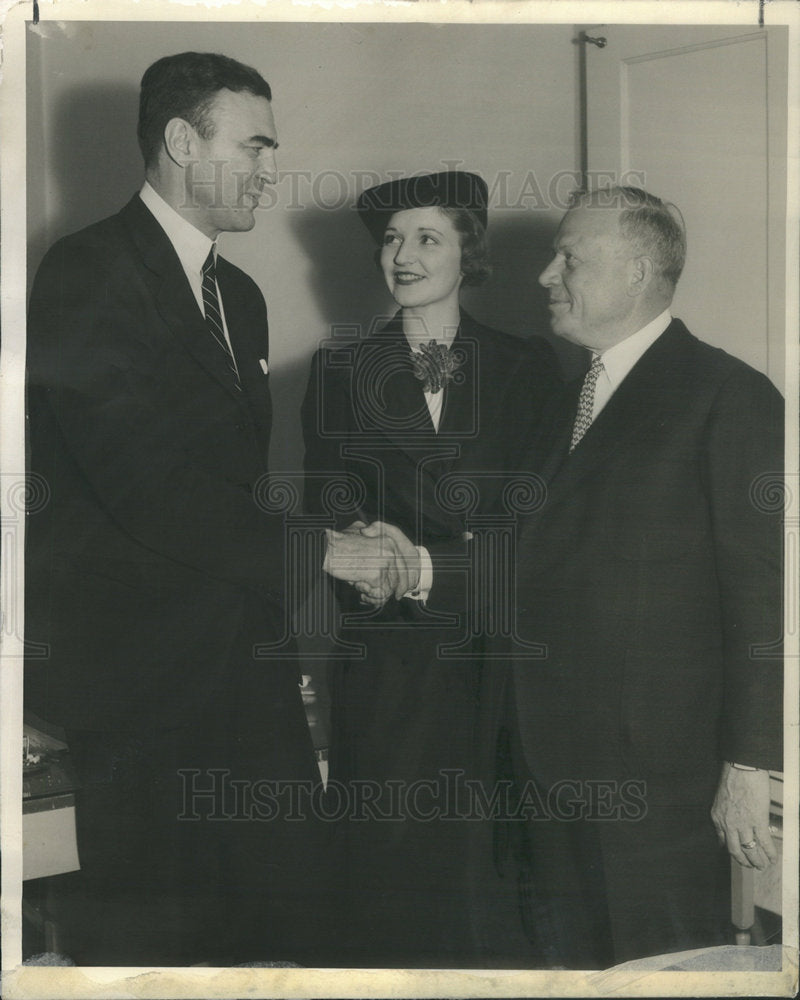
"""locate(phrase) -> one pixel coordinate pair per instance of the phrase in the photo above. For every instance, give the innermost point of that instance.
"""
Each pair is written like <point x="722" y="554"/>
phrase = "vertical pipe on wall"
<point x="582" y="102"/>
<point x="583" y="99"/>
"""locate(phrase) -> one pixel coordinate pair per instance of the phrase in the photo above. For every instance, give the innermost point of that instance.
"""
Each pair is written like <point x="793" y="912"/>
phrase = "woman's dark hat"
<point x="448" y="189"/>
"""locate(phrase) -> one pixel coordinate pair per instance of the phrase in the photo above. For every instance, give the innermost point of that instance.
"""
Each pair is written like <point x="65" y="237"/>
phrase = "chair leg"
<point x="742" y="907"/>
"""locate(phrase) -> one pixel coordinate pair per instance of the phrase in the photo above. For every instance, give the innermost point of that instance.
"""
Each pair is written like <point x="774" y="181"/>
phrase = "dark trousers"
<point x="181" y="860"/>
<point x="609" y="892"/>
<point x="148" y="889"/>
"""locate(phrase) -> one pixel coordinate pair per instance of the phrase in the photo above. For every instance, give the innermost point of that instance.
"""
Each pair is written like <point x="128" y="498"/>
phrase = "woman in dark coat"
<point x="429" y="417"/>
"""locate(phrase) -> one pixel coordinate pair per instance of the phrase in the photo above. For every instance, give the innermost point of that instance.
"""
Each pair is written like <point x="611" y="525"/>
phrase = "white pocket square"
<point x="264" y="365"/>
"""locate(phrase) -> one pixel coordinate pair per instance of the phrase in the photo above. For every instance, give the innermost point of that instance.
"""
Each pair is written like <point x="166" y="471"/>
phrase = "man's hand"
<point x="741" y="816"/>
<point x="377" y="559"/>
<point x="369" y="562"/>
<point x="407" y="560"/>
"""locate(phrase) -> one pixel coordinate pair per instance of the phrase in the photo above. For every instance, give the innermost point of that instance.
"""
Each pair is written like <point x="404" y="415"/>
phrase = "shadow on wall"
<point x="349" y="294"/>
<point x="93" y="164"/>
<point x="350" y="291"/>
<point x="513" y="300"/>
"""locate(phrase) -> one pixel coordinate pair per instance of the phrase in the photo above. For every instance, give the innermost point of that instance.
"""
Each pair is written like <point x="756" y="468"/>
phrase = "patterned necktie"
<point x="214" y="314"/>
<point x="583" y="418"/>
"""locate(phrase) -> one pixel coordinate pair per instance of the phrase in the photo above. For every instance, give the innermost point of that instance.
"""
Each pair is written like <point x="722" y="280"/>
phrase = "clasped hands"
<point x="377" y="559"/>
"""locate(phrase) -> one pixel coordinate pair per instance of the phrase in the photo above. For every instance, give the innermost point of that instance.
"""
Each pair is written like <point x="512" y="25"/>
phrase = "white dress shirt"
<point x="190" y="245"/>
<point x="434" y="402"/>
<point x="619" y="359"/>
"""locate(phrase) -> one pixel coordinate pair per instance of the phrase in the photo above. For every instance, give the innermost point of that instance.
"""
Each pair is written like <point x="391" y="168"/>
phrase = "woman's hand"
<point x="378" y="559"/>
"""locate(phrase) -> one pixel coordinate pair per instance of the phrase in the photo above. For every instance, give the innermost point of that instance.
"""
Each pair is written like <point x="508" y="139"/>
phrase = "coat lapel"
<point x="173" y="295"/>
<point x="387" y="395"/>
<point x="459" y="417"/>
<point x="635" y="406"/>
<point x="247" y="339"/>
<point x="556" y="432"/>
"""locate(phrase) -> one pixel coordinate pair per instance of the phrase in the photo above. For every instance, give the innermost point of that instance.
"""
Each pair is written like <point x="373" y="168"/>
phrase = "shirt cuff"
<point x="425" y="582"/>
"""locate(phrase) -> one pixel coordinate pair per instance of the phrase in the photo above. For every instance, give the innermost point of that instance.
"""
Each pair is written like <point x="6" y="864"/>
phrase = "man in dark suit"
<point x="153" y="572"/>
<point x="650" y="580"/>
<point x="652" y="576"/>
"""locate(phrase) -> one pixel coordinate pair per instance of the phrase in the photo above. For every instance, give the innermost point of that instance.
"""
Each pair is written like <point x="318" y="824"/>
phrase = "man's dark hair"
<point x="184" y="86"/>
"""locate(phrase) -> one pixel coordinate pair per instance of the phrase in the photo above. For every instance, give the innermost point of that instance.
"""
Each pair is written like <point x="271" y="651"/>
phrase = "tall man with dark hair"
<point x="652" y="577"/>
<point x="152" y="573"/>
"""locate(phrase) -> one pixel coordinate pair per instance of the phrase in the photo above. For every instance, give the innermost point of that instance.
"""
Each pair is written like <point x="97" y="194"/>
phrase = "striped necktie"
<point x="214" y="314"/>
<point x="583" y="418"/>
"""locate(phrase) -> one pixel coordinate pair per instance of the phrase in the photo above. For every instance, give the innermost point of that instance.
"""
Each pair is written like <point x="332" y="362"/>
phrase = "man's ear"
<point x="641" y="271"/>
<point x="179" y="138"/>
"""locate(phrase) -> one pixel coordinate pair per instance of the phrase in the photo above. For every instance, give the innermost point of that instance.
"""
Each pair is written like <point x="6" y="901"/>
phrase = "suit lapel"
<point x="246" y="333"/>
<point x="459" y="416"/>
<point x="634" y="407"/>
<point x="557" y="431"/>
<point x="387" y="394"/>
<point x="173" y="295"/>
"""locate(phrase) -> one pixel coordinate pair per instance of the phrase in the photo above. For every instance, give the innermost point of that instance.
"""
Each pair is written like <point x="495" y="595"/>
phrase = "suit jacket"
<point x="151" y="569"/>
<point x="653" y="575"/>
<point x="400" y="711"/>
<point x="365" y="416"/>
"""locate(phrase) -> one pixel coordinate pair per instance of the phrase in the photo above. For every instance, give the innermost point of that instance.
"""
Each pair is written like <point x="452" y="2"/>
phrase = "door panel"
<point x="697" y="116"/>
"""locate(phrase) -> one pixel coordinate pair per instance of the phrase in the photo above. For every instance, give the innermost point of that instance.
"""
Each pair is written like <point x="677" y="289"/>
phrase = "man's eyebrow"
<point x="264" y="140"/>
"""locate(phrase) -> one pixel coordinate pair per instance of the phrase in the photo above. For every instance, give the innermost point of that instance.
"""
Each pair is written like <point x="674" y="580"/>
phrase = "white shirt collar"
<point x="619" y="359"/>
<point x="190" y="244"/>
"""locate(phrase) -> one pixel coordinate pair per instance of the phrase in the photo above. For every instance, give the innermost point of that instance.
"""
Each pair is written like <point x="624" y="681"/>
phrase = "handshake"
<point x="377" y="559"/>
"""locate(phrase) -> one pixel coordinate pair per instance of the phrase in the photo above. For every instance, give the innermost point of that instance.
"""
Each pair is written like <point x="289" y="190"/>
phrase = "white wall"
<point x="350" y="100"/>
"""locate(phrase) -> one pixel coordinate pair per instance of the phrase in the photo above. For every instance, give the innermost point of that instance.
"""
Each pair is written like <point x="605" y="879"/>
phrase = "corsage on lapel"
<point x="435" y="365"/>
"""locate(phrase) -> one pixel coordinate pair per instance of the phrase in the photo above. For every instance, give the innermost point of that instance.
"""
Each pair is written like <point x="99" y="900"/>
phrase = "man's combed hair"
<point x="653" y="226"/>
<point x="184" y="86"/>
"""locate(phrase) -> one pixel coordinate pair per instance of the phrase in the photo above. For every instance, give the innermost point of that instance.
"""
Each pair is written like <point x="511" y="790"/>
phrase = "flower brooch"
<point x="435" y="365"/>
